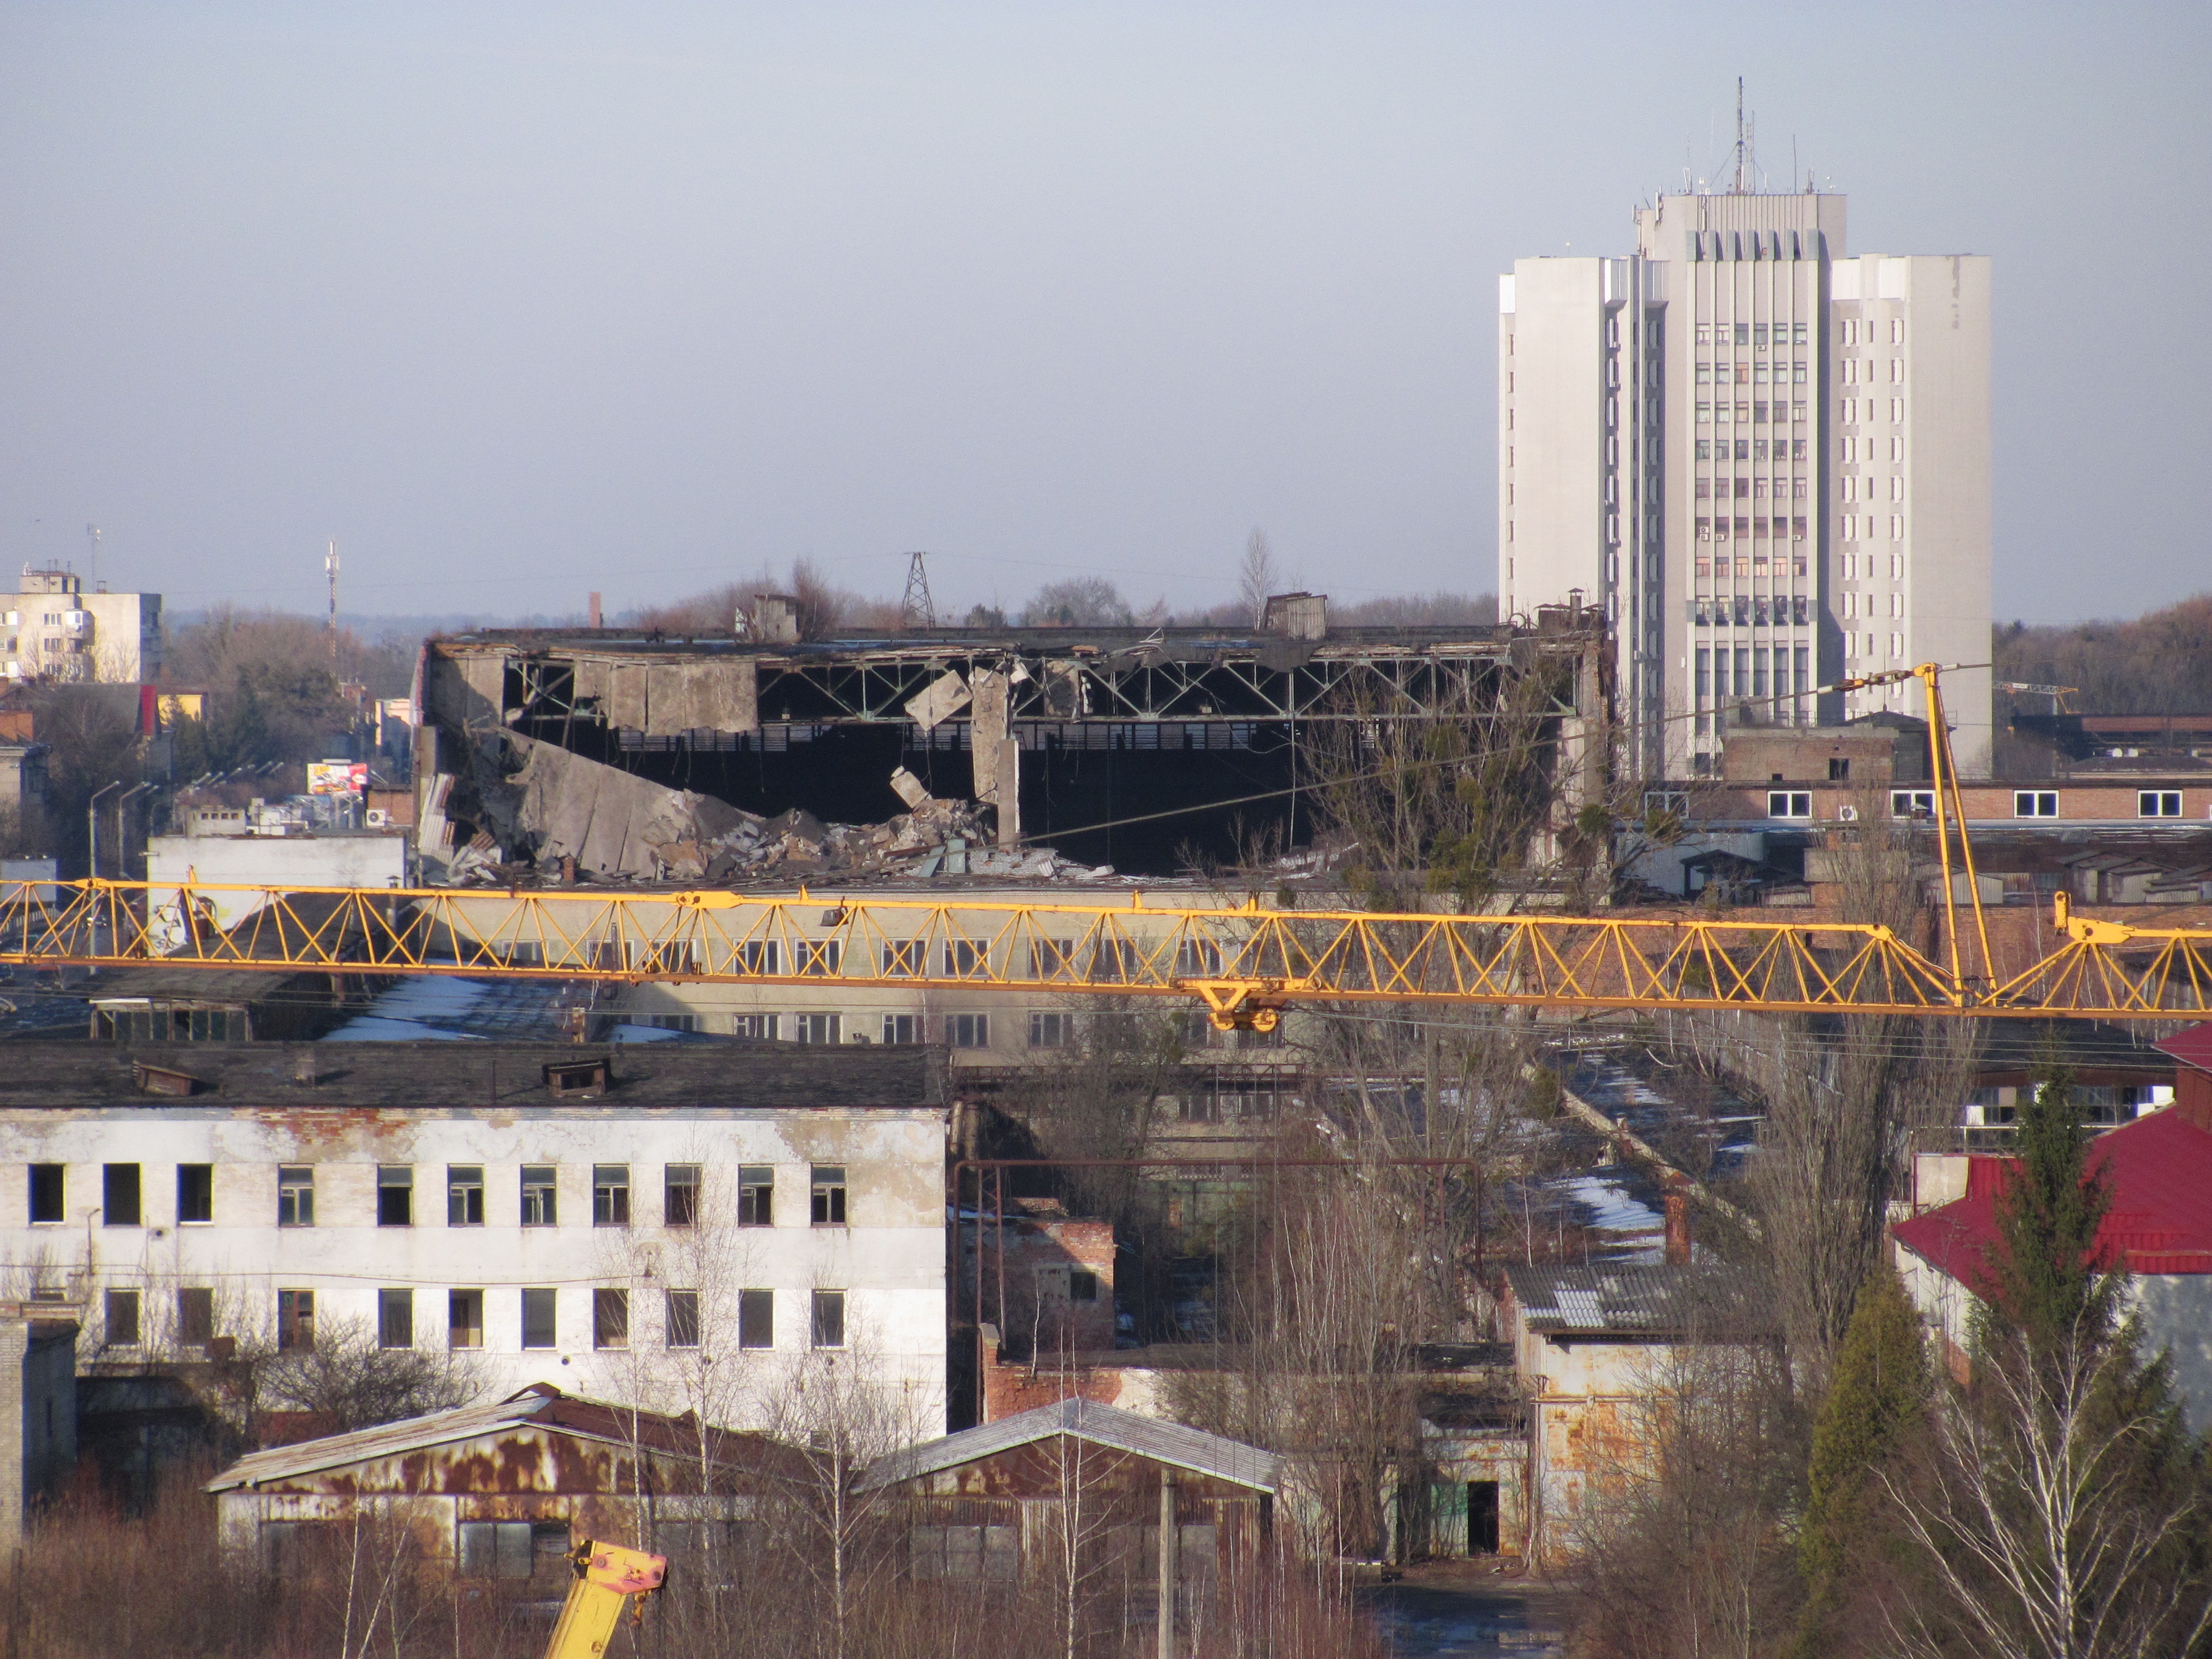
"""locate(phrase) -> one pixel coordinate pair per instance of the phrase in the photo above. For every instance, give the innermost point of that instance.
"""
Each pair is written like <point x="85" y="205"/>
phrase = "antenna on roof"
<point x="330" y="569"/>
<point x="92" y="575"/>
<point x="1738" y="187"/>
<point x="920" y="610"/>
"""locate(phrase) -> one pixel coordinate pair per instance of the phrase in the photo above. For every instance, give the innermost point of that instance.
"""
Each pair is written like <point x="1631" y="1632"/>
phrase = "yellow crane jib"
<point x="607" y="1577"/>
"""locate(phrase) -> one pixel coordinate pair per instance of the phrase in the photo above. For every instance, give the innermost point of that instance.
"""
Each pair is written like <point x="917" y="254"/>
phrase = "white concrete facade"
<point x="348" y="859"/>
<point x="886" y="1257"/>
<point x="50" y="628"/>
<point x="1838" y="405"/>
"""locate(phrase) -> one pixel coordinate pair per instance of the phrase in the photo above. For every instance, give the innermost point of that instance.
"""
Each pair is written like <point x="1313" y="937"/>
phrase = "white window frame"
<point x="1789" y="803"/>
<point x="2035" y="803"/>
<point x="2158" y="803"/>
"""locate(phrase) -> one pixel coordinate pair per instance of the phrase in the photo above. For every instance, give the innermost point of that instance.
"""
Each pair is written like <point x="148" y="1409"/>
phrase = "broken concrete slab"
<point x="939" y="702"/>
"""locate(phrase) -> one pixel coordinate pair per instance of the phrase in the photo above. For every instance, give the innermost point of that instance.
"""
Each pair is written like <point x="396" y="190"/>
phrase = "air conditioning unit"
<point x="1848" y="814"/>
<point x="377" y="817"/>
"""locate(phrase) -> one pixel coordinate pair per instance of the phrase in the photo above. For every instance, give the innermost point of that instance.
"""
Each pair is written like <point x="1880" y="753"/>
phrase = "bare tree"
<point x="1256" y="578"/>
<point x="2040" y="1530"/>
<point x="348" y="1380"/>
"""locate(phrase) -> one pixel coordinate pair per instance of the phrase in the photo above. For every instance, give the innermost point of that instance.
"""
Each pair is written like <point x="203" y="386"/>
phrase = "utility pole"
<point x="920" y="610"/>
<point x="330" y="569"/>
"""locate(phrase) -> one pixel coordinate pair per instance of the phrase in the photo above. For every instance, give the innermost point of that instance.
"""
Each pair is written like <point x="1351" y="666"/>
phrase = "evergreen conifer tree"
<point x="1876" y="1405"/>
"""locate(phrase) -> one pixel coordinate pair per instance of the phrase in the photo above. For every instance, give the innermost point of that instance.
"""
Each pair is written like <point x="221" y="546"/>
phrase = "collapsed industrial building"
<point x="613" y="755"/>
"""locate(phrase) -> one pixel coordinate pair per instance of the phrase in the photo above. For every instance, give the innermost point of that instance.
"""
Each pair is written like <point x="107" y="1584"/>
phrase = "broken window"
<point x="395" y="1196"/>
<point x="195" y="1316"/>
<point x="683" y="1319"/>
<point x="539" y="1207"/>
<point x="465" y="1319"/>
<point x="464" y="1195"/>
<point x="119" y="1193"/>
<point x="611" y="1194"/>
<point x="295" y="1195"/>
<point x="537" y="1309"/>
<point x="756" y="1195"/>
<point x="610" y="1319"/>
<point x="123" y="1319"/>
<point x="1082" y="1285"/>
<point x="295" y="1320"/>
<point x="679" y="1195"/>
<point x="828" y="1319"/>
<point x="46" y="1192"/>
<point x="195" y="1192"/>
<point x="757" y="1319"/>
<point x="829" y="1189"/>
<point x="395" y="1319"/>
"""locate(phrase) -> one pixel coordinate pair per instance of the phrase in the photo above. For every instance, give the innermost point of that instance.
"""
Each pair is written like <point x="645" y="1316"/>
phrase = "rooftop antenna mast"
<point x="92" y="535"/>
<point x="1739" y="136"/>
<point x="330" y="569"/>
<point x="920" y="610"/>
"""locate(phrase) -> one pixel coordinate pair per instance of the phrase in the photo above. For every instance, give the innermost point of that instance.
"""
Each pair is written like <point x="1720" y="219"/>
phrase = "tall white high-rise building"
<point x="1770" y="462"/>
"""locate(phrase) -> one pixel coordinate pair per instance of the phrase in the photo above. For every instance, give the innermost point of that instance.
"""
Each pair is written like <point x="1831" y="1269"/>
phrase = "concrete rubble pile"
<point x="578" y="817"/>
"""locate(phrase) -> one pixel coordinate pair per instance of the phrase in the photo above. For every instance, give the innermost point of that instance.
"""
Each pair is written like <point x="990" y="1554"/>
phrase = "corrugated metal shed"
<point x="1101" y="1425"/>
<point x="1654" y="1299"/>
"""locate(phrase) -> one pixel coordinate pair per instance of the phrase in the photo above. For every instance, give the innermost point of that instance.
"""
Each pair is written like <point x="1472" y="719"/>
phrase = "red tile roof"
<point x="2192" y="1047"/>
<point x="2160" y="1171"/>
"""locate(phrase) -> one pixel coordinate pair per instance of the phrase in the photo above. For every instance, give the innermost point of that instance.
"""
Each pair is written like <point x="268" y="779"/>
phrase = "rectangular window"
<point x="679" y="1195"/>
<point x="295" y="1321"/>
<point x="828" y="1319"/>
<point x="540" y="1202"/>
<point x="901" y="1029"/>
<point x="2156" y="804"/>
<point x="395" y="1319"/>
<point x="761" y="1028"/>
<point x="465" y="1319"/>
<point x="968" y="1030"/>
<point x="195" y="1316"/>
<point x="1789" y="803"/>
<point x="828" y="1186"/>
<point x="610" y="1319"/>
<point x="1801" y="656"/>
<point x="819" y="958"/>
<point x="966" y="959"/>
<point x="760" y="955"/>
<point x="993" y="1554"/>
<point x="46" y="1190"/>
<point x="122" y="1319"/>
<point x="2035" y="803"/>
<point x="903" y="958"/>
<point x="1050" y="958"/>
<point x="395" y="1196"/>
<point x="538" y="1308"/>
<point x="611" y="1194"/>
<point x="683" y="1316"/>
<point x="1704" y="449"/>
<point x="195" y="1192"/>
<point x="1704" y="671"/>
<point x="464" y="1195"/>
<point x="756" y="1195"/>
<point x="1913" y="803"/>
<point x="757" y="1319"/>
<point x="495" y="1549"/>
<point x="1050" y="1030"/>
<point x="820" y="1030"/>
<point x="119" y="1195"/>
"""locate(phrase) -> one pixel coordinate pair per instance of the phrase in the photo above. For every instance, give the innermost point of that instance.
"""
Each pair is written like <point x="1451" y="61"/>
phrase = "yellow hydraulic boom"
<point x="607" y="1576"/>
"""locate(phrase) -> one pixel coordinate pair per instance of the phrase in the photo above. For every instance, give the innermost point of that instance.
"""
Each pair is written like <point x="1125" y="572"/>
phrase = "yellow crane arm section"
<point x="607" y="1576"/>
<point x="1245" y="962"/>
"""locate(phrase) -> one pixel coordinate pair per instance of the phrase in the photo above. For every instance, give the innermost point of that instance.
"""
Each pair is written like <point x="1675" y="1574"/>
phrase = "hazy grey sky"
<point x="523" y="300"/>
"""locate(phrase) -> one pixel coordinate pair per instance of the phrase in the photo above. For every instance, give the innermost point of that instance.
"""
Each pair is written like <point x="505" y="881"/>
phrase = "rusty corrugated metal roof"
<point x="1101" y="1426"/>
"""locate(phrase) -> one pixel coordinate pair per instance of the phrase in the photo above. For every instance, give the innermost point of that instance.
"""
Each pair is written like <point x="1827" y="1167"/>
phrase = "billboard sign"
<point x="337" y="777"/>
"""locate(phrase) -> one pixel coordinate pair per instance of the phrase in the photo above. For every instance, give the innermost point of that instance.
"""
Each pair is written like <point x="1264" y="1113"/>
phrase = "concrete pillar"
<point x="1169" y="1543"/>
<point x="997" y="757"/>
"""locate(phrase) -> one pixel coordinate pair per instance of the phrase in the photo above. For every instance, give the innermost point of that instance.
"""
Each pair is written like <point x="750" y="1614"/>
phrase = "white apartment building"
<point x="51" y="628"/>
<point x="621" y="1225"/>
<point x="1768" y="461"/>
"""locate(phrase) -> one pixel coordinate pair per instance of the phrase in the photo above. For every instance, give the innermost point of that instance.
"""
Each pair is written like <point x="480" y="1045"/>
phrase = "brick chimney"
<point x="1678" y="1227"/>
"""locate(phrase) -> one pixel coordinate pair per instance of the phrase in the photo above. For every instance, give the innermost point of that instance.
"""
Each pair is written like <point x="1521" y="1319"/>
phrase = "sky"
<point x="521" y="301"/>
